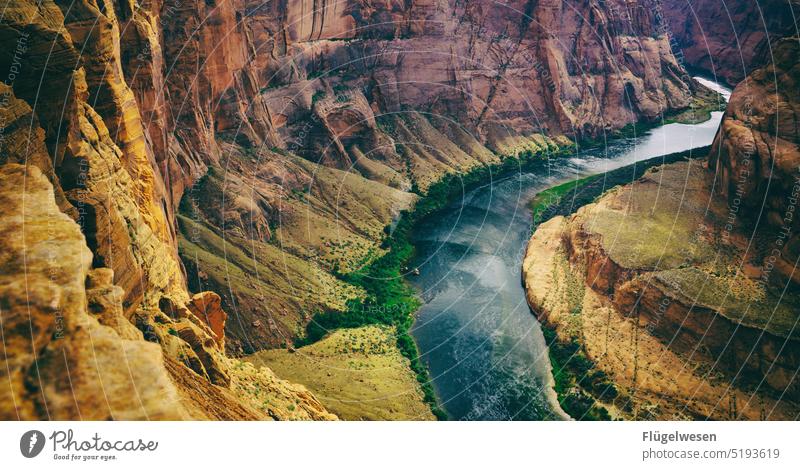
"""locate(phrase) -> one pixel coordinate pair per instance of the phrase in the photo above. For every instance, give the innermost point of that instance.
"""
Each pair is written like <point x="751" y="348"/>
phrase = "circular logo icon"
<point x="31" y="443"/>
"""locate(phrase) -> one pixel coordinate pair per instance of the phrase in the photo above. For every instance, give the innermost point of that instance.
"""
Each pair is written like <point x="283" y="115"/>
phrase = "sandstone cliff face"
<point x="500" y="70"/>
<point x="72" y="354"/>
<point x="88" y="323"/>
<point x="103" y="169"/>
<point x="729" y="39"/>
<point x="253" y="73"/>
<point x="253" y="148"/>
<point x="756" y="159"/>
<point x="63" y="362"/>
<point x="663" y="298"/>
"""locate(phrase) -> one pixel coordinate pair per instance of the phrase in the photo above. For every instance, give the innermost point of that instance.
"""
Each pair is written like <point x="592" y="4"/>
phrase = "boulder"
<point x="207" y="306"/>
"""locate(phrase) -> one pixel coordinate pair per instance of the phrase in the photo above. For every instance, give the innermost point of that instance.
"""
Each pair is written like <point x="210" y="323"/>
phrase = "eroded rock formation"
<point x="756" y="156"/>
<point x="253" y="149"/>
<point x="71" y="352"/>
<point x="64" y="363"/>
<point x="683" y="286"/>
<point x="729" y="39"/>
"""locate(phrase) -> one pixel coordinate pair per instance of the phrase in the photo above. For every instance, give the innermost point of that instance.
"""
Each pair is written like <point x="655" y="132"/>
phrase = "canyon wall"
<point x="756" y="159"/>
<point x="72" y="352"/>
<point x="695" y="264"/>
<point x="97" y="320"/>
<point x="728" y="39"/>
<point x="257" y="149"/>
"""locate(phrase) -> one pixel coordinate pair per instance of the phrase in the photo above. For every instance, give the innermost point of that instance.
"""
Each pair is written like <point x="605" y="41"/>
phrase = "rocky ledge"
<point x="72" y="352"/>
<point x="665" y="299"/>
<point x="677" y="296"/>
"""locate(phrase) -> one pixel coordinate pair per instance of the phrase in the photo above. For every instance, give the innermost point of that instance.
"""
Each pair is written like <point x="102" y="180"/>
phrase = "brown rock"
<point x="105" y="301"/>
<point x="756" y="156"/>
<point x="205" y="349"/>
<point x="132" y="122"/>
<point x="728" y="39"/>
<point x="208" y="307"/>
<point x="173" y="308"/>
<point x="321" y="122"/>
<point x="104" y="135"/>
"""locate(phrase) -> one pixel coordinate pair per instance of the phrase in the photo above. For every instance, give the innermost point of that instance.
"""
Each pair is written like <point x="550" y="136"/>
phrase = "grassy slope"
<point x="357" y="374"/>
<point x="390" y="300"/>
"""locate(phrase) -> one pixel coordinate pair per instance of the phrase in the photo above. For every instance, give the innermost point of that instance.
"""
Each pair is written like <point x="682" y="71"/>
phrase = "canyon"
<point x="205" y="174"/>
<point x="728" y="40"/>
<point x="681" y="287"/>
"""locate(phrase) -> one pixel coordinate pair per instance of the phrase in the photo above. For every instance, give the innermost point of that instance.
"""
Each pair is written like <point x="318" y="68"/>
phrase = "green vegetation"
<point x="577" y="380"/>
<point x="318" y="95"/>
<point x="548" y="198"/>
<point x="704" y="102"/>
<point x="390" y="300"/>
<point x="340" y="89"/>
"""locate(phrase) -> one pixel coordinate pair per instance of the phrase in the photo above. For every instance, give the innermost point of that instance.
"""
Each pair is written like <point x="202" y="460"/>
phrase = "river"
<point x="484" y="349"/>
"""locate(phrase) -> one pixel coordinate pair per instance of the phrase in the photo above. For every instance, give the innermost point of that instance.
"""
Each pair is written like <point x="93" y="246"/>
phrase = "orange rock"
<point x="62" y="362"/>
<point x="208" y="307"/>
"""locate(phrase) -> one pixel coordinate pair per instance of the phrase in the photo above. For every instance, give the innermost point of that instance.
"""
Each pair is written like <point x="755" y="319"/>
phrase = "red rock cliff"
<point x="728" y="39"/>
<point x="251" y="147"/>
<point x="756" y="157"/>
<point x="697" y="264"/>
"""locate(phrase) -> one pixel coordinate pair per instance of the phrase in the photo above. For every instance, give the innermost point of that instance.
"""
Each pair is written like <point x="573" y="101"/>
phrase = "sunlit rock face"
<point x="72" y="353"/>
<point x="63" y="360"/>
<point x="254" y="148"/>
<point x="91" y="246"/>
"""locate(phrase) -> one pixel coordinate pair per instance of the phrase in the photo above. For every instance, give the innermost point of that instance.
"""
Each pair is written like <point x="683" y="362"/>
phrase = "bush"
<point x="390" y="300"/>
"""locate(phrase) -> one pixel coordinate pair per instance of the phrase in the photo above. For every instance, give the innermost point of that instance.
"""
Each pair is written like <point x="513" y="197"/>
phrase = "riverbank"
<point x="567" y="197"/>
<point x="708" y="97"/>
<point x="649" y="313"/>
<point x="390" y="299"/>
<point x="578" y="380"/>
